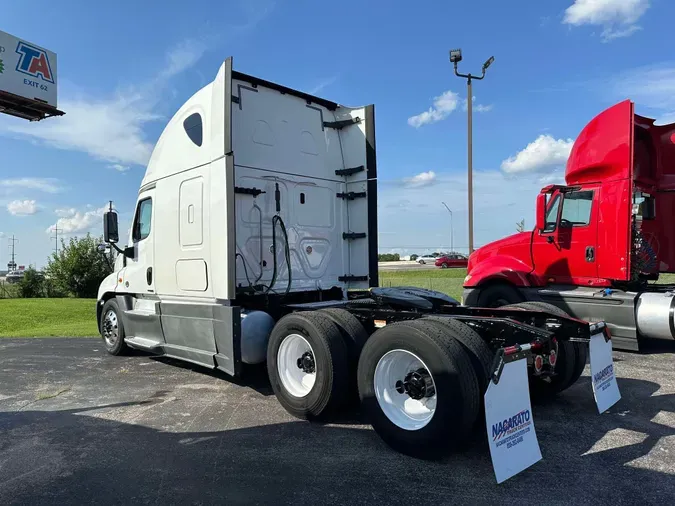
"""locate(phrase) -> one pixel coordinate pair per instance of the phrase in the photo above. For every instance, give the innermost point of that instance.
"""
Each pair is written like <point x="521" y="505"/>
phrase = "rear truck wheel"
<point x="308" y="365"/>
<point x="580" y="349"/>
<point x="498" y="295"/>
<point x="479" y="352"/>
<point x="354" y="336"/>
<point x="566" y="361"/>
<point x="112" y="328"/>
<point x="418" y="388"/>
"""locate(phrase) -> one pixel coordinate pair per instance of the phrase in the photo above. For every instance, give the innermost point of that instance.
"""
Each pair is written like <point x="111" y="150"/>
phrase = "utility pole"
<point x="452" y="247"/>
<point x="455" y="58"/>
<point x="12" y="264"/>
<point x="56" y="240"/>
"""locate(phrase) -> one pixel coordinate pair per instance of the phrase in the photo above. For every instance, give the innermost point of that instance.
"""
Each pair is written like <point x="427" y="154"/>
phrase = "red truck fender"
<point x="501" y="268"/>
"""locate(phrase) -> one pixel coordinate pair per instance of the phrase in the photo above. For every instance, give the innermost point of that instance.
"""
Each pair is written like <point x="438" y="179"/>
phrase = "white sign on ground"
<point x="510" y="426"/>
<point x="27" y="70"/>
<point x="605" y="388"/>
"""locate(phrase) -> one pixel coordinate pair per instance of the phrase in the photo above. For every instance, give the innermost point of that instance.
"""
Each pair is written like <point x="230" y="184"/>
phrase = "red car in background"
<point x="452" y="260"/>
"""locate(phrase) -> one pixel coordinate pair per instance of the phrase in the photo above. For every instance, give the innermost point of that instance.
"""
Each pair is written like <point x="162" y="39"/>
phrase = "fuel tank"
<point x="655" y="315"/>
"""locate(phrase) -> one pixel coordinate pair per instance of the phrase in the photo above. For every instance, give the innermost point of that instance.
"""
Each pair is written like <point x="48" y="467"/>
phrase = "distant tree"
<point x="79" y="267"/>
<point x="520" y="226"/>
<point x="414" y="257"/>
<point x="32" y="285"/>
<point x="389" y="257"/>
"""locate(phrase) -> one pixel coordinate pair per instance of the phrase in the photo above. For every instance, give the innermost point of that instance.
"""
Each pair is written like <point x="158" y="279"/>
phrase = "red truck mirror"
<point x="541" y="212"/>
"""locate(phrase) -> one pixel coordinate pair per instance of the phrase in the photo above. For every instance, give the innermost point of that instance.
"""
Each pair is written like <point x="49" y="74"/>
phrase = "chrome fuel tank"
<point x="655" y="313"/>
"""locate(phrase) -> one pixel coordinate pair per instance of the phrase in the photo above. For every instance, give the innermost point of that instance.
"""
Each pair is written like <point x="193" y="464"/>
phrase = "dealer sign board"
<point x="27" y="70"/>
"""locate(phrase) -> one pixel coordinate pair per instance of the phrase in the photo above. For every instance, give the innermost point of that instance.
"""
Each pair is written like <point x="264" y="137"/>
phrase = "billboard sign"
<point x="27" y="70"/>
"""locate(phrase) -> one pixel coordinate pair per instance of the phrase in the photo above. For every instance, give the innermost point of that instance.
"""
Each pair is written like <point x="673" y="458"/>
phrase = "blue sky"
<point x="125" y="67"/>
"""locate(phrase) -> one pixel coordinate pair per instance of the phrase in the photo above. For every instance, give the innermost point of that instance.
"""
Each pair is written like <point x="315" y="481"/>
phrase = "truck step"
<point x="143" y="343"/>
<point x="338" y="125"/>
<point x="353" y="235"/>
<point x="350" y="277"/>
<point x="349" y="171"/>
<point x="351" y="195"/>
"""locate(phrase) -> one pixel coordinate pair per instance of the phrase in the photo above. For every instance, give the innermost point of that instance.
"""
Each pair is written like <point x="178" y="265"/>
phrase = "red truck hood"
<point x="516" y="246"/>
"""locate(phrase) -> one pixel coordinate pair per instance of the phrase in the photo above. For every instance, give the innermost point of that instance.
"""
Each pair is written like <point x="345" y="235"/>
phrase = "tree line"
<point x="76" y="271"/>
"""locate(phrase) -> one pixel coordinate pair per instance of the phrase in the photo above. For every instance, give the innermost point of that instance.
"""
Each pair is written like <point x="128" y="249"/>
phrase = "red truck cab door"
<point x="565" y="252"/>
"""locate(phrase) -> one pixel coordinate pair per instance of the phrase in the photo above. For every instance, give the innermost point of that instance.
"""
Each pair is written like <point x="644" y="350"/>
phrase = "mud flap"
<point x="603" y="380"/>
<point x="510" y="426"/>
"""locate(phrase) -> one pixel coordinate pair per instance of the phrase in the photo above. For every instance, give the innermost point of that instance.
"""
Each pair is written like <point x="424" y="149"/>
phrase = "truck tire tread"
<point x="456" y="383"/>
<point x="332" y="364"/>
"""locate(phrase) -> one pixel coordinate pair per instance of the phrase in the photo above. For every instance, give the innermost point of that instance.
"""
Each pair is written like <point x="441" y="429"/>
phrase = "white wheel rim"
<point x="297" y="381"/>
<point x="400" y="408"/>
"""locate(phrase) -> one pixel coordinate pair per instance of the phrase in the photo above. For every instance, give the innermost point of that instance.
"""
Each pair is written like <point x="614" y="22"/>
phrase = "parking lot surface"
<point x="78" y="426"/>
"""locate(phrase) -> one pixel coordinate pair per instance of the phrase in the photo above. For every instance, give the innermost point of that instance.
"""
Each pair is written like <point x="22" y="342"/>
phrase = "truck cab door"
<point x="139" y="275"/>
<point x="566" y="250"/>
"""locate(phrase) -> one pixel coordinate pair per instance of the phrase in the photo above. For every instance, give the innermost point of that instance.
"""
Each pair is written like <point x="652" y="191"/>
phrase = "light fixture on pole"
<point x="452" y="246"/>
<point x="455" y="58"/>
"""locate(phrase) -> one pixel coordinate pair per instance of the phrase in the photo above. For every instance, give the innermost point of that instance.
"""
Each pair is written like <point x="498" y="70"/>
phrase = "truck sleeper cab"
<point x="254" y="240"/>
<point x="599" y="239"/>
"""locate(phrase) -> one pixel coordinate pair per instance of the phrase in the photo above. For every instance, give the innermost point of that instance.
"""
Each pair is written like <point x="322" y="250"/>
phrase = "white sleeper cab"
<point x="254" y="240"/>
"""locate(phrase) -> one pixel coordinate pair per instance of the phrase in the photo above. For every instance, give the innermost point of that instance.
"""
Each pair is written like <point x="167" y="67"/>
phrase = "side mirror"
<point x="110" y="229"/>
<point x="541" y="212"/>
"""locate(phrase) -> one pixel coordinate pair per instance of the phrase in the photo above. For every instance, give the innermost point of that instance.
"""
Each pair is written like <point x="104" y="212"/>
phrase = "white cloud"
<point x="420" y="180"/>
<point x="651" y="86"/>
<point x="111" y="128"/>
<point x="443" y="106"/>
<point x="182" y="57"/>
<point x="119" y="168"/>
<point x="47" y="185"/>
<point x="22" y="207"/>
<point x="476" y="107"/>
<point x="544" y="153"/>
<point x="73" y="221"/>
<point x="322" y="84"/>
<point x="616" y="17"/>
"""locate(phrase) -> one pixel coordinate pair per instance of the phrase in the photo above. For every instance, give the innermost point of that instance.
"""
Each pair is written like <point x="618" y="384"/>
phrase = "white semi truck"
<point x="255" y="240"/>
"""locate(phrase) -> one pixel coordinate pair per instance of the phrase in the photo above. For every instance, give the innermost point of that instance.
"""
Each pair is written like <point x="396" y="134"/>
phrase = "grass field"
<point x="47" y="317"/>
<point x="443" y="280"/>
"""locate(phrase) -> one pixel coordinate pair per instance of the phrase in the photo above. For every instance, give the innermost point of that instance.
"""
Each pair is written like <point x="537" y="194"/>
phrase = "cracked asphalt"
<point x="79" y="426"/>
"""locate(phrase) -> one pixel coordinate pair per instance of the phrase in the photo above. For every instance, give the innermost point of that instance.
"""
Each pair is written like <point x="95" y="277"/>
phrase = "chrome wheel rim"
<point x="110" y="329"/>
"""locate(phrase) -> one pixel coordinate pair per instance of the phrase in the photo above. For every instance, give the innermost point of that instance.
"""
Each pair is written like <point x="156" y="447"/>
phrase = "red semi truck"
<point x="601" y="239"/>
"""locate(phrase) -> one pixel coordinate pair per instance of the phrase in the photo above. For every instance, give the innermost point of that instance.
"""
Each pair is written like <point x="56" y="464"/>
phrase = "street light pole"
<point x="455" y="58"/>
<point x="452" y="246"/>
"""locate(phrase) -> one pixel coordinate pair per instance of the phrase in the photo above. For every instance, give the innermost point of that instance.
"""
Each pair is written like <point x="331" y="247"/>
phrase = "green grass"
<point x="48" y="317"/>
<point x="443" y="280"/>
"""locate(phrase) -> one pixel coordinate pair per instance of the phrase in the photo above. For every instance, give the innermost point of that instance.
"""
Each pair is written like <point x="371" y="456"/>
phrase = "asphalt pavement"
<point x="78" y="426"/>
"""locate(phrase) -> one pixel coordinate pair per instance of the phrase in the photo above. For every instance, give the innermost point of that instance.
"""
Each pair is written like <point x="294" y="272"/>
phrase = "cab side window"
<point x="552" y="215"/>
<point x="576" y="211"/>
<point x="142" y="220"/>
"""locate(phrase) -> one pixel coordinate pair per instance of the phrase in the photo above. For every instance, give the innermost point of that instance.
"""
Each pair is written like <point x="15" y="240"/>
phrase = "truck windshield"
<point x="576" y="209"/>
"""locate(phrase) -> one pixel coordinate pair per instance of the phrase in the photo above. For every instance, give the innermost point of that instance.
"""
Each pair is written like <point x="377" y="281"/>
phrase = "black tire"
<point x="498" y="295"/>
<point x="479" y="352"/>
<point x="332" y="365"/>
<point x="455" y="381"/>
<point x="566" y="364"/>
<point x="444" y="266"/>
<point x="354" y="336"/>
<point x="580" y="349"/>
<point x="112" y="329"/>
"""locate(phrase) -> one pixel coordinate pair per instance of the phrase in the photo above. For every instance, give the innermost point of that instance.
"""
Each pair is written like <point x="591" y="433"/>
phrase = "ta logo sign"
<point x="34" y="62"/>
